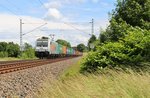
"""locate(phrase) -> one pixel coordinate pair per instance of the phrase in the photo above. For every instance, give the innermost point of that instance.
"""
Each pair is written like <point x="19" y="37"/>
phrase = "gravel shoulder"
<point x="24" y="83"/>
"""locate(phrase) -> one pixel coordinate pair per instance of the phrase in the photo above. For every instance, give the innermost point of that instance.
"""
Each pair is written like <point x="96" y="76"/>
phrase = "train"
<point x="46" y="48"/>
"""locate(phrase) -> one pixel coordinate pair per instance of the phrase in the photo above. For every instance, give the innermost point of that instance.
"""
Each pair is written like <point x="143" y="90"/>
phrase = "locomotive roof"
<point x="43" y="39"/>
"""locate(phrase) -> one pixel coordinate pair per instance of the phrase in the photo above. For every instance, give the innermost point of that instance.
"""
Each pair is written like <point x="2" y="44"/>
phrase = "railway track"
<point x="11" y="66"/>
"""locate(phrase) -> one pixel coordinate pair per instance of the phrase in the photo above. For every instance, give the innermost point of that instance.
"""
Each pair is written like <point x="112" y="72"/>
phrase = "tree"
<point x="9" y="49"/>
<point x="128" y="14"/>
<point x="27" y="46"/>
<point x="91" y="40"/>
<point x="28" y="52"/>
<point x="3" y="46"/>
<point x="13" y="50"/>
<point x="133" y="12"/>
<point x="102" y="36"/>
<point x="126" y="41"/>
<point x="63" y="42"/>
<point x="81" y="47"/>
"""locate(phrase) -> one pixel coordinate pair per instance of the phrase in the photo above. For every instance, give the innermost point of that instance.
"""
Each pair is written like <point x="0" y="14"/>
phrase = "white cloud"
<point x="9" y="30"/>
<point x="53" y="13"/>
<point x="53" y="4"/>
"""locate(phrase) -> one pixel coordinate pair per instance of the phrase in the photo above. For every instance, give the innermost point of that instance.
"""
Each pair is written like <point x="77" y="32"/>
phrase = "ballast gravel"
<point x="24" y="83"/>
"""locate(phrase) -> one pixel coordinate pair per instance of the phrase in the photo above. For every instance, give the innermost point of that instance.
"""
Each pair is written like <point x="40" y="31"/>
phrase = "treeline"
<point x="126" y="41"/>
<point x="11" y="49"/>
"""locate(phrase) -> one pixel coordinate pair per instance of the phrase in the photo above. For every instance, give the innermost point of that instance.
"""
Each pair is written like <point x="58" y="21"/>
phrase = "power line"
<point x="78" y="22"/>
<point x="35" y="29"/>
<point x="74" y="27"/>
<point x="42" y="4"/>
<point x="63" y="22"/>
<point x="14" y="12"/>
<point x="10" y="10"/>
<point x="13" y="4"/>
<point x="21" y="34"/>
<point x="32" y="23"/>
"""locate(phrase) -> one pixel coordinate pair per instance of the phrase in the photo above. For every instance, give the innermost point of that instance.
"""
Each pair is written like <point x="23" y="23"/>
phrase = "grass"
<point x="9" y="59"/>
<point x="109" y="84"/>
<point x="13" y="59"/>
<point x="112" y="85"/>
<point x="72" y="70"/>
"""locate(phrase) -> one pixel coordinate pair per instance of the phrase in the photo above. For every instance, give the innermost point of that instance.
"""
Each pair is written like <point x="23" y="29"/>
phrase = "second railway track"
<point x="7" y="67"/>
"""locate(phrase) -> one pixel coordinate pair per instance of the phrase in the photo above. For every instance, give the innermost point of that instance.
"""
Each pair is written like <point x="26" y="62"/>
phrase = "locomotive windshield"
<point x="42" y="44"/>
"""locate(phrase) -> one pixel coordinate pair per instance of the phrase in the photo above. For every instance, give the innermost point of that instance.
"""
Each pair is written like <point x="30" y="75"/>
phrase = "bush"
<point x="9" y="49"/>
<point x="110" y="54"/>
<point x="28" y="54"/>
<point x="13" y="49"/>
<point x="131" y="50"/>
<point x="3" y="54"/>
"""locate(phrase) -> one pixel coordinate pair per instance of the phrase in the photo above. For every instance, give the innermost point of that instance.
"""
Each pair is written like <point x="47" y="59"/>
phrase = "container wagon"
<point x="48" y="49"/>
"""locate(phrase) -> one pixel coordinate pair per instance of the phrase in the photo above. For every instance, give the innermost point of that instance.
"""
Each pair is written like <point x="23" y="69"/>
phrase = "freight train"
<point x="45" y="48"/>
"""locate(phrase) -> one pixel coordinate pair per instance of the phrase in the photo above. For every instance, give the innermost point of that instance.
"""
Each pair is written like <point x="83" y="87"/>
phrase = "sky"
<point x="66" y="19"/>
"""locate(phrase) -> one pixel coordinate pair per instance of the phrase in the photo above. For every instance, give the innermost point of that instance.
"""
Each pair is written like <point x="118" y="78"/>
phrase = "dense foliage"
<point x="133" y="12"/>
<point x="9" y="49"/>
<point x="12" y="50"/>
<point x="63" y="42"/>
<point x="81" y="47"/>
<point x="28" y="52"/>
<point x="126" y="41"/>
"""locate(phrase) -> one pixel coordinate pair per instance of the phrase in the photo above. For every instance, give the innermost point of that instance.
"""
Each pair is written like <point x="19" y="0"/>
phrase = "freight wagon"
<point x="49" y="49"/>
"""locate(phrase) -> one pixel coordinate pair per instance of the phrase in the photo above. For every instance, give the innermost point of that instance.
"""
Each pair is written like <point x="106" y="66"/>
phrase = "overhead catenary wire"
<point x="17" y="15"/>
<point x="42" y="4"/>
<point x="12" y="4"/>
<point x="44" y="20"/>
<point x="4" y="7"/>
<point x="40" y="23"/>
<point x="75" y="27"/>
<point x="35" y="29"/>
<point x="20" y="18"/>
<point x="13" y="13"/>
<point x="62" y="22"/>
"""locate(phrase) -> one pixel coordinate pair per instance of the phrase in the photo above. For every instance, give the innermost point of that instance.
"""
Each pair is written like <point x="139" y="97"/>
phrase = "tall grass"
<point x="111" y="85"/>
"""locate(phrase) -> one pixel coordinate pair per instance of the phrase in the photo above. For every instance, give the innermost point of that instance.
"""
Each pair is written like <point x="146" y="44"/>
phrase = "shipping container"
<point x="64" y="49"/>
<point x="53" y="48"/>
<point x="72" y="51"/>
<point x="59" y="49"/>
<point x="68" y="50"/>
<point x="77" y="53"/>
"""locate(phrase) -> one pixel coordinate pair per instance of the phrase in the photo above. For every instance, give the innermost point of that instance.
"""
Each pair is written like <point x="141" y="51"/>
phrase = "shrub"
<point x="28" y="53"/>
<point x="110" y="54"/>
<point x="3" y="54"/>
<point x="131" y="50"/>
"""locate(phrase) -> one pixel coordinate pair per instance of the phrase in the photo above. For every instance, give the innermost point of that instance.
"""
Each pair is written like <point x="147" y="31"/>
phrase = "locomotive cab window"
<point x="39" y="44"/>
<point x="45" y="44"/>
<point x="42" y="44"/>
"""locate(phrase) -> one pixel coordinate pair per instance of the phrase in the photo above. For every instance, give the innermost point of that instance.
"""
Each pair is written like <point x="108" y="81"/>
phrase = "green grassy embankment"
<point x="9" y="59"/>
<point x="13" y="59"/>
<point x="110" y="84"/>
